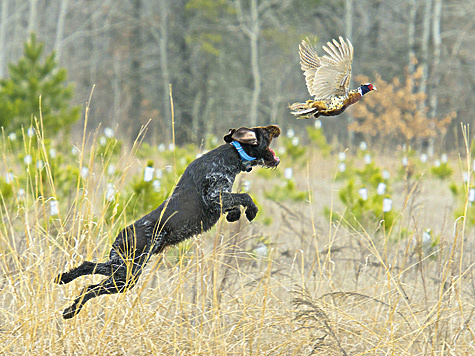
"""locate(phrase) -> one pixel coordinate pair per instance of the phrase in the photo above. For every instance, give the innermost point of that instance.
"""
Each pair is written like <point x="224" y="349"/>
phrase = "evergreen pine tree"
<point x="28" y="80"/>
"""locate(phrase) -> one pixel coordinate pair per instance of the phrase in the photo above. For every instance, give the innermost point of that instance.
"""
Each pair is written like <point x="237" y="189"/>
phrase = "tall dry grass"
<point x="322" y="288"/>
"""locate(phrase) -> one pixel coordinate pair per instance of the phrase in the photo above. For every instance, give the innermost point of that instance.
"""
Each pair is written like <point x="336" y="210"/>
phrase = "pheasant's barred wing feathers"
<point x="309" y="63"/>
<point x="308" y="56"/>
<point x="330" y="74"/>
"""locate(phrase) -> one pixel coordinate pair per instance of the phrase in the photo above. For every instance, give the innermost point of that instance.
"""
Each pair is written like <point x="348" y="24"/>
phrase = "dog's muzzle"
<point x="274" y="162"/>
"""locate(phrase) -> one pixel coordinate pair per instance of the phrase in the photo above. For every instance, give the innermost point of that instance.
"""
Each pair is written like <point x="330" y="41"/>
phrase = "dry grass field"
<point x="301" y="285"/>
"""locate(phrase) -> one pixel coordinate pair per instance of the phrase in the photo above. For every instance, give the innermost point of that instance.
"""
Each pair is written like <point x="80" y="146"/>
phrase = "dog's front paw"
<point x="233" y="215"/>
<point x="251" y="212"/>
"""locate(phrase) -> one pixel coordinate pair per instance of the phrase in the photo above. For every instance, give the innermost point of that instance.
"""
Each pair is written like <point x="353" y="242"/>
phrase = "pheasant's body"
<point x="330" y="107"/>
<point x="327" y="79"/>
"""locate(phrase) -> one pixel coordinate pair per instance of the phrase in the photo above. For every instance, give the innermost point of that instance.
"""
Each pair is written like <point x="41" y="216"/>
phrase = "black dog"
<point x="201" y="196"/>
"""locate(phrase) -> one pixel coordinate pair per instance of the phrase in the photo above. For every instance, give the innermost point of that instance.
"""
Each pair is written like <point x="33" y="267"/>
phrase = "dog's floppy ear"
<point x="242" y="135"/>
<point x="229" y="137"/>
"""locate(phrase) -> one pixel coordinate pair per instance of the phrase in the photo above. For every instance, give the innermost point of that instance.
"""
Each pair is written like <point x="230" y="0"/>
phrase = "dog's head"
<point x="255" y="142"/>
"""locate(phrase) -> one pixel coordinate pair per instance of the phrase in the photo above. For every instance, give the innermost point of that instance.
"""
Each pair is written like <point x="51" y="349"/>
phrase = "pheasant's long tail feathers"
<point x="301" y="110"/>
<point x="298" y="106"/>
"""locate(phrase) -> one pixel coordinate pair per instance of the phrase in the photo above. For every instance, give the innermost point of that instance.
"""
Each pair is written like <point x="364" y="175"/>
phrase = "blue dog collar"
<point x="244" y="156"/>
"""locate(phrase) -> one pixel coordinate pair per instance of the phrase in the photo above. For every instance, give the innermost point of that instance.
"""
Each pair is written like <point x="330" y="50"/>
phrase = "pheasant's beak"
<point x="374" y="87"/>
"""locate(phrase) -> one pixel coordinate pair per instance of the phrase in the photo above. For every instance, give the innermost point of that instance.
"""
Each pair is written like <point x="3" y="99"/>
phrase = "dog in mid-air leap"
<point x="201" y="196"/>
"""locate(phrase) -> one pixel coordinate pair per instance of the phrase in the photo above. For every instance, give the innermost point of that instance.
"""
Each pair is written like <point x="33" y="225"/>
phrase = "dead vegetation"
<point x="299" y="286"/>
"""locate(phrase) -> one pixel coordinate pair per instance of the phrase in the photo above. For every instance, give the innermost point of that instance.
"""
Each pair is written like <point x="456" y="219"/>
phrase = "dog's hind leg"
<point x="110" y="285"/>
<point x="124" y="277"/>
<point x="85" y="268"/>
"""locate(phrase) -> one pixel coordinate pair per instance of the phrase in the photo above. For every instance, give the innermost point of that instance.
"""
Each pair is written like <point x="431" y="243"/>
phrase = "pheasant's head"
<point x="366" y="88"/>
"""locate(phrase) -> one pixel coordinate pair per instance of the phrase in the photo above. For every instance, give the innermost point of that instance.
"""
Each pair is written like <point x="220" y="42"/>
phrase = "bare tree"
<point x="349" y="33"/>
<point x="135" y="82"/>
<point x="3" y="36"/>
<point x="163" y="45"/>
<point x="437" y="41"/>
<point x="250" y="27"/>
<point x="160" y="35"/>
<point x="411" y="39"/>
<point x="349" y="18"/>
<point x="60" y="28"/>
<point x="425" y="45"/>
<point x="33" y="16"/>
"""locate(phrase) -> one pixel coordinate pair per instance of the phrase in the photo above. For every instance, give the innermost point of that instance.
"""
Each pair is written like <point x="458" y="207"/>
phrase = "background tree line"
<point x="235" y="62"/>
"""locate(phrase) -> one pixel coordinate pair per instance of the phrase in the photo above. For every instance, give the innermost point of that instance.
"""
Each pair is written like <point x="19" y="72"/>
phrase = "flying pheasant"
<point x="327" y="79"/>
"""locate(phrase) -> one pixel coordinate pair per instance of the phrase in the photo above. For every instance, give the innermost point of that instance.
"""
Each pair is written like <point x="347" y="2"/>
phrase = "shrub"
<point x="441" y="171"/>
<point x="366" y="198"/>
<point x="29" y="80"/>
<point x="286" y="191"/>
<point x="396" y="113"/>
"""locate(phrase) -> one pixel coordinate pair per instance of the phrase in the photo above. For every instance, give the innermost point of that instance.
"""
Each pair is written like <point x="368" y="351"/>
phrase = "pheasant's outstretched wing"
<point x="330" y="74"/>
